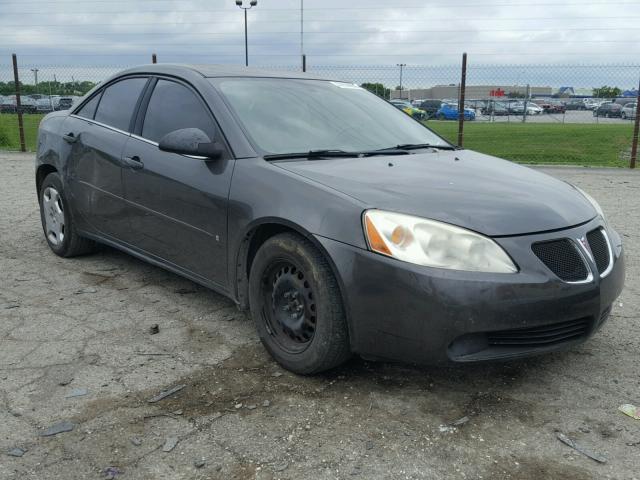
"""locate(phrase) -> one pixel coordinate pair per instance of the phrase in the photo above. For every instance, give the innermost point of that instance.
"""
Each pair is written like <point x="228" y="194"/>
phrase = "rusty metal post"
<point x="154" y="58"/>
<point x="463" y="86"/>
<point x="16" y="80"/>
<point x="634" y="140"/>
<point x="304" y="62"/>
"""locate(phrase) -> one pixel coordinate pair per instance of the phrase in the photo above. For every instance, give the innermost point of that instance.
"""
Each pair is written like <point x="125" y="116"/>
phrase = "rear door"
<point x="96" y="135"/>
<point x="178" y="204"/>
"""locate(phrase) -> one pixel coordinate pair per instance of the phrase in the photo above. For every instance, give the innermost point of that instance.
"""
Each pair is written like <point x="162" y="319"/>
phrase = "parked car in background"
<point x="65" y="103"/>
<point x="533" y="108"/>
<point x="431" y="107"/>
<point x="449" y="111"/>
<point x="575" y="104"/>
<point x="629" y="110"/>
<point x="551" y="105"/>
<point x="10" y="104"/>
<point x="593" y="103"/>
<point x="608" y="110"/>
<point x="409" y="109"/>
<point x="476" y="105"/>
<point x="45" y="105"/>
<point x="496" y="109"/>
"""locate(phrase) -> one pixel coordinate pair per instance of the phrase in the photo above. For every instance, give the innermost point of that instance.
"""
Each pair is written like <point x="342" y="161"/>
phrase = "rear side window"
<point x="173" y="106"/>
<point x="119" y="101"/>
<point x="89" y="108"/>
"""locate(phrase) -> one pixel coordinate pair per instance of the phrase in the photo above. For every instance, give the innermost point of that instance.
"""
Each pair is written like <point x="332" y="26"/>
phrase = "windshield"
<point x="296" y="115"/>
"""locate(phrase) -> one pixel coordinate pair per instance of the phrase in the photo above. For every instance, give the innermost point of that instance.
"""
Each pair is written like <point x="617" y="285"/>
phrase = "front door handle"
<point x="70" y="138"/>
<point x="133" y="162"/>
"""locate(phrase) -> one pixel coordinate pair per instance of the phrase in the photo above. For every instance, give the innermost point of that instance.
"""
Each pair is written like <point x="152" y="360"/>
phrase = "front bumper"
<point x="411" y="313"/>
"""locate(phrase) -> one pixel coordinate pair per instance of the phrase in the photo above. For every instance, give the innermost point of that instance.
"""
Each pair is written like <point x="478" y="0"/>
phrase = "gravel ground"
<point x="75" y="346"/>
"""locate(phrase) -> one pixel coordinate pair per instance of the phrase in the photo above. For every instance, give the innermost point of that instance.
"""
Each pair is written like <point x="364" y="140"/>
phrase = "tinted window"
<point x="89" y="108"/>
<point x="173" y="106"/>
<point x="119" y="101"/>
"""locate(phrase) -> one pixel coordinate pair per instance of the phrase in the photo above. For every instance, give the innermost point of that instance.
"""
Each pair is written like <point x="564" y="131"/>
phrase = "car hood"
<point x="465" y="188"/>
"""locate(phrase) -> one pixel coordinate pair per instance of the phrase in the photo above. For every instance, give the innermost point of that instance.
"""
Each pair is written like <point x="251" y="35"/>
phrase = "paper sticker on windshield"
<point x="347" y="85"/>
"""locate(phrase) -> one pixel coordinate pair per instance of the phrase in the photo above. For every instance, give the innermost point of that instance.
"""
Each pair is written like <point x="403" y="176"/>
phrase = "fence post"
<point x="463" y="83"/>
<point x="154" y="58"/>
<point x="634" y="139"/>
<point x="16" y="81"/>
<point x="304" y="62"/>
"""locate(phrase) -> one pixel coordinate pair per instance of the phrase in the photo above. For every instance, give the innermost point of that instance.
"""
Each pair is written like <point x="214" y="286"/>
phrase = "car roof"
<point x="213" y="71"/>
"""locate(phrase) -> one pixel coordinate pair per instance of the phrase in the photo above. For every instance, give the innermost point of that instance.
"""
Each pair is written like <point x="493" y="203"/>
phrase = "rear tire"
<point x="57" y="221"/>
<point x="297" y="306"/>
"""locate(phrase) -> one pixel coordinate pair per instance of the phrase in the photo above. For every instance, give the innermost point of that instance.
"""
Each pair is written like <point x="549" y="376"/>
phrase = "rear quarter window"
<point x="88" y="110"/>
<point x="119" y="102"/>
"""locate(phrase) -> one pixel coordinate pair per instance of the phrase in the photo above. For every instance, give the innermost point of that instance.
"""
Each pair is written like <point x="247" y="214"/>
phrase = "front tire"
<point x="296" y="305"/>
<point x="57" y="221"/>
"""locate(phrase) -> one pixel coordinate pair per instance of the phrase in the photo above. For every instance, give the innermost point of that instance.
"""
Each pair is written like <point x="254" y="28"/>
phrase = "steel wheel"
<point x="289" y="309"/>
<point x="53" y="215"/>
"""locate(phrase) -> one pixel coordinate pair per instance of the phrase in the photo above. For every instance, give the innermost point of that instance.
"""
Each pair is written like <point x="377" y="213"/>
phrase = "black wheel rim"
<point x="289" y="310"/>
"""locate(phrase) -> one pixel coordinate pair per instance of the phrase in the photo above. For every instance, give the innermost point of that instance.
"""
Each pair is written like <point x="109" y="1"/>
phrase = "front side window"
<point x="119" y="102"/>
<point x="293" y="115"/>
<point x="172" y="107"/>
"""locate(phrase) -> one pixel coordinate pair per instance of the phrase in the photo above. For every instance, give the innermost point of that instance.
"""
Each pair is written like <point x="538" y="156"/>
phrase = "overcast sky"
<point x="336" y="32"/>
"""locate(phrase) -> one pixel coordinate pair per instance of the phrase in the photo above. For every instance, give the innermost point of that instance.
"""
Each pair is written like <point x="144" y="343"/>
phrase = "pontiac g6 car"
<point x="342" y="224"/>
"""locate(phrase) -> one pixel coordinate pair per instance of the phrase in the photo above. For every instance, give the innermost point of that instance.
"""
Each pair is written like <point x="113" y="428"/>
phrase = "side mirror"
<point x="190" y="141"/>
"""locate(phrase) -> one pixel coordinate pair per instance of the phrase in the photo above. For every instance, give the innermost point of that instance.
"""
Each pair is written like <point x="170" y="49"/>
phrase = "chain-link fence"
<point x="552" y="114"/>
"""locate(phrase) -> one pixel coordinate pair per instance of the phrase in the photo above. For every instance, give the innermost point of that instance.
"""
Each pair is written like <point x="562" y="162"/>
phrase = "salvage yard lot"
<point x="81" y="327"/>
<point x="603" y="145"/>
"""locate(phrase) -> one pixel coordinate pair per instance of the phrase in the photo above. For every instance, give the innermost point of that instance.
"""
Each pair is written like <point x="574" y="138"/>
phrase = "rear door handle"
<point x="70" y="138"/>
<point x="133" y="162"/>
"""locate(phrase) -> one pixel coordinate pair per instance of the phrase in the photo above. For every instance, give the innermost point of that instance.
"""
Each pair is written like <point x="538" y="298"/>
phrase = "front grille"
<point x="562" y="258"/>
<point x="542" y="336"/>
<point x="599" y="249"/>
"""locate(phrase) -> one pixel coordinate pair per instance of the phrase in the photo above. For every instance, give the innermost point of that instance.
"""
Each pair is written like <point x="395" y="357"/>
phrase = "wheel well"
<point x="250" y="246"/>
<point x="41" y="174"/>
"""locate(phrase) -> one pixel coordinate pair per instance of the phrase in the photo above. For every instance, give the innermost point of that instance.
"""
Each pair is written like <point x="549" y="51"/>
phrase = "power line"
<point x="394" y="55"/>
<point x="89" y="25"/>
<point x="370" y="7"/>
<point x="116" y="44"/>
<point x="538" y="30"/>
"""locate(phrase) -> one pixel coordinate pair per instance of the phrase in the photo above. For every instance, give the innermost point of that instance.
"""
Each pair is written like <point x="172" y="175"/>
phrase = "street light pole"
<point x="252" y="3"/>
<point x="35" y="74"/>
<point x="401" y="65"/>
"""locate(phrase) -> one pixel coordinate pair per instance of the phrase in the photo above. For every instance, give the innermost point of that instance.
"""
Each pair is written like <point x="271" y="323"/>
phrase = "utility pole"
<point x="35" y="74"/>
<point x="401" y="65"/>
<point x="252" y="3"/>
<point x="302" y="35"/>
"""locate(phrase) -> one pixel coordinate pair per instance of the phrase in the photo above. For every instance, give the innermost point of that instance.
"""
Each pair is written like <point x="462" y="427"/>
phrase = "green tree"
<point x="515" y="95"/>
<point x="606" y="92"/>
<point x="378" y="88"/>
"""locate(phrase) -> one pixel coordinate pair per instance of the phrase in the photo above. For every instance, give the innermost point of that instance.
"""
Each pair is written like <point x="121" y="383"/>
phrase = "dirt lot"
<point x="75" y="346"/>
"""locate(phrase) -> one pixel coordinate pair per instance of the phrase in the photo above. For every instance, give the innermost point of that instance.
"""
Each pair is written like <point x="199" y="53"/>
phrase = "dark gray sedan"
<point x="342" y="224"/>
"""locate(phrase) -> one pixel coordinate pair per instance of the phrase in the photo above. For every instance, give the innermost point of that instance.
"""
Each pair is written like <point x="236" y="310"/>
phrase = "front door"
<point x="178" y="204"/>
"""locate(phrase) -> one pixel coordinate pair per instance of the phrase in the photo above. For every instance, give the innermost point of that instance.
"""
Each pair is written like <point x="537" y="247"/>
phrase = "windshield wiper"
<point x="415" y="146"/>
<point x="313" y="154"/>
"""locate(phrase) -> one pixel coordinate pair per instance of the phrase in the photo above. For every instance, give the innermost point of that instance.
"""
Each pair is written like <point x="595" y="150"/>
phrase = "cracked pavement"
<point x="83" y="323"/>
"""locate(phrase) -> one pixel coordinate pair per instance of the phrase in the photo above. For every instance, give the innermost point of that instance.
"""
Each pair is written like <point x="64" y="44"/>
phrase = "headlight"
<point x="593" y="202"/>
<point x="433" y="244"/>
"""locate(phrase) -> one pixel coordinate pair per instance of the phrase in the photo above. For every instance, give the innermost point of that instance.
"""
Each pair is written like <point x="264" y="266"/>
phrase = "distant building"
<point x="472" y="92"/>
